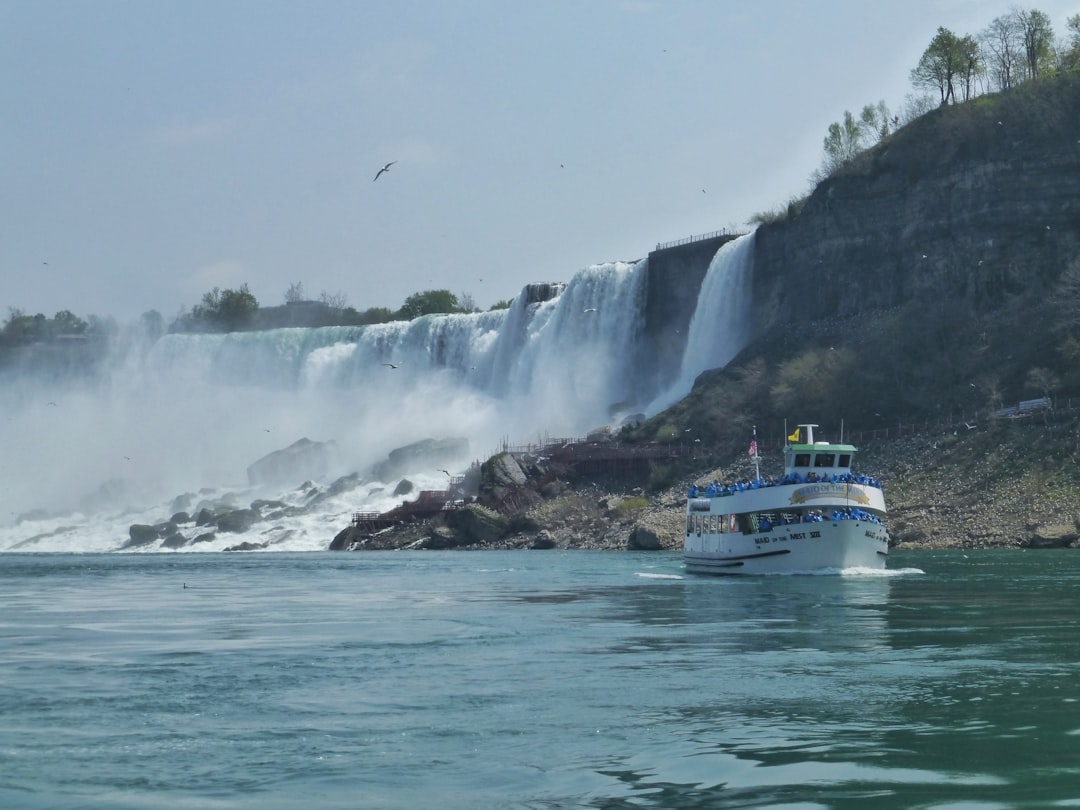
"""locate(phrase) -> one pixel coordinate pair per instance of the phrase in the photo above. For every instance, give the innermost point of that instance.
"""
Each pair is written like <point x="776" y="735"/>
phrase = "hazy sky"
<point x="152" y="150"/>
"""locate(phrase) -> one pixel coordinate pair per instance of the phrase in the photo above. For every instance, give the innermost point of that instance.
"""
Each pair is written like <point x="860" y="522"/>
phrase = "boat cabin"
<point x="812" y="460"/>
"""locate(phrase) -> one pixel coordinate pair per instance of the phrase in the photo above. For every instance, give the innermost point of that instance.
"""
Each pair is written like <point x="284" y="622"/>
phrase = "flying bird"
<point x="390" y="364"/>
<point x="590" y="309"/>
<point x="446" y="471"/>
<point x="385" y="168"/>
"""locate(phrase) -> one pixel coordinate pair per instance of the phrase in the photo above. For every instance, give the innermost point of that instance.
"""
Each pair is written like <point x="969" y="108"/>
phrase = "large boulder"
<point x="477" y="525"/>
<point x="643" y="539"/>
<point x="140" y="534"/>
<point x="426" y="454"/>
<point x="301" y="459"/>
<point x="1053" y="536"/>
<point x="238" y="520"/>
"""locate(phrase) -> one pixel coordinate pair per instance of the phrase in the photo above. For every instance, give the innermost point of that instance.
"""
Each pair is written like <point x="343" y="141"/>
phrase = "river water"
<point x="537" y="679"/>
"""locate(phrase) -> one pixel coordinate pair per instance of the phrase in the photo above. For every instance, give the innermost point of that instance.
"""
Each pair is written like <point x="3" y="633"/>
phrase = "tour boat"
<point x="818" y="516"/>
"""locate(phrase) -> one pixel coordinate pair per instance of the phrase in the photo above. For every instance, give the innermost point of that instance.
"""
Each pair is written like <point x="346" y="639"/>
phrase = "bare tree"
<point x="1003" y="47"/>
<point x="336" y="300"/>
<point x="295" y="292"/>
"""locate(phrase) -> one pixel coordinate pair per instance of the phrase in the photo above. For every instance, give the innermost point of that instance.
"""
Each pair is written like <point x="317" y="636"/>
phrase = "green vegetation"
<point x="1014" y="48"/>
<point x="631" y="506"/>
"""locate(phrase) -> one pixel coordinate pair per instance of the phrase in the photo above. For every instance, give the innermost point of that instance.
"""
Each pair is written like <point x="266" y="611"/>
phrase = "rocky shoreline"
<point x="977" y="491"/>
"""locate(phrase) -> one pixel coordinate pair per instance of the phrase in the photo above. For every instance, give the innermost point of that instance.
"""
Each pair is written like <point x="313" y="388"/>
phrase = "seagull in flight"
<point x="390" y="364"/>
<point x="446" y="471"/>
<point x="590" y="309"/>
<point x="385" y="168"/>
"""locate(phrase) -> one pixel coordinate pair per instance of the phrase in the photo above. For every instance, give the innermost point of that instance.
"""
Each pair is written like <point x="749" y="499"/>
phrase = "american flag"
<point x="753" y="448"/>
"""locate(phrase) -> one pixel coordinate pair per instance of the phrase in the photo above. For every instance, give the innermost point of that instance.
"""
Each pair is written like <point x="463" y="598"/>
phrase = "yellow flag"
<point x="794" y="437"/>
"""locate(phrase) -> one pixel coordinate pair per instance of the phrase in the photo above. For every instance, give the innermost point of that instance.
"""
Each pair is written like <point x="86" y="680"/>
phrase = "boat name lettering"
<point x="814" y="535"/>
<point x="826" y="490"/>
<point x="798" y="535"/>
<point x="700" y="505"/>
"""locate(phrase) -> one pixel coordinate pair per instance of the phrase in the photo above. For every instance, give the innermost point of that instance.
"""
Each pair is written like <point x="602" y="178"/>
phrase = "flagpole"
<point x="757" y="457"/>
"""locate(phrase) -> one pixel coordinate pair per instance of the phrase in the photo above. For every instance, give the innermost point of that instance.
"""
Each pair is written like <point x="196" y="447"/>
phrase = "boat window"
<point x="802" y="459"/>
<point x="845" y="459"/>
<point x="825" y="459"/>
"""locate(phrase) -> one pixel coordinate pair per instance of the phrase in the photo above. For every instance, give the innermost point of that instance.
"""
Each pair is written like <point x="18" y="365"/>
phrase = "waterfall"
<point x="194" y="411"/>
<point x="720" y="326"/>
<point x="169" y="420"/>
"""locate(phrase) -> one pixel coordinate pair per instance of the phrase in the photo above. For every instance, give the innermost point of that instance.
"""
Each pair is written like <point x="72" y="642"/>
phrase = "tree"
<point x="842" y="143"/>
<point x="375" y="315"/>
<point x="970" y="65"/>
<point x="430" y="302"/>
<point x="336" y="300"/>
<point x="875" y="121"/>
<point x="65" y="322"/>
<point x="1038" y="35"/>
<point x="225" y="310"/>
<point x="1069" y="58"/>
<point x="1003" y="47"/>
<point x="1042" y="381"/>
<point x="467" y="303"/>
<point x="295" y="293"/>
<point x="939" y="65"/>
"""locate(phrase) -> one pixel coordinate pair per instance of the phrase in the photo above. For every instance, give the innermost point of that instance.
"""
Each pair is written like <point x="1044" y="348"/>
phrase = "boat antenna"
<point x="841" y="430"/>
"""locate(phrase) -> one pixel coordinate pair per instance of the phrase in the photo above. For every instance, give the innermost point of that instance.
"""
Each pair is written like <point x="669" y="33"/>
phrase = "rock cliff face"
<point x="978" y="201"/>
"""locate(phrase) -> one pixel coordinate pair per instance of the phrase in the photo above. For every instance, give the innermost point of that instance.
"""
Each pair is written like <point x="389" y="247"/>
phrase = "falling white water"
<point x="190" y="413"/>
<point x="721" y="326"/>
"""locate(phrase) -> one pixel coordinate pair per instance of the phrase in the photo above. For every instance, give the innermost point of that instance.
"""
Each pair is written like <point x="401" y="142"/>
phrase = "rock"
<point x="238" y="520"/>
<point x="422" y="455"/>
<point x="247" y="547"/>
<point x="182" y="503"/>
<point x="443" y="537"/>
<point x="543" y="540"/>
<point x="302" y="459"/>
<point x="553" y="489"/>
<point x="205" y="517"/>
<point x="1058" y="536"/>
<point x="180" y="517"/>
<point x="643" y="539"/>
<point x="173" y="540"/>
<point x="477" y="525"/>
<point x="141" y="534"/>
<point x="503" y="470"/>
<point x="342" y="539"/>
<point x="205" y="537"/>
<point x="404" y="487"/>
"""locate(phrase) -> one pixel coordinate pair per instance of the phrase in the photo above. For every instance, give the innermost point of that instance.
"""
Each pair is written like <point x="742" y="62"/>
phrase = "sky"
<point x="152" y="150"/>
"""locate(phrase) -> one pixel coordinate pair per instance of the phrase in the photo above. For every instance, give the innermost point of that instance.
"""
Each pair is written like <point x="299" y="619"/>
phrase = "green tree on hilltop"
<point x="221" y="311"/>
<point x="949" y="61"/>
<point x="430" y="302"/>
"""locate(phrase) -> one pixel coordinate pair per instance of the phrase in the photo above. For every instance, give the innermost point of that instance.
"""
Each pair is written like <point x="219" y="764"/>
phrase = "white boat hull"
<point x="798" y="547"/>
